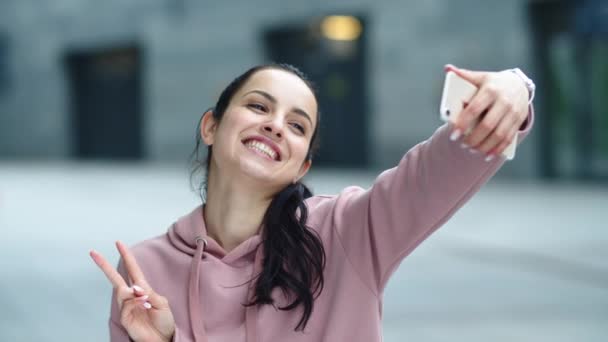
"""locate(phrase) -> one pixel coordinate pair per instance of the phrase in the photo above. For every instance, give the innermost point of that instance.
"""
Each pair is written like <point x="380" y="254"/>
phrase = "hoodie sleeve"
<point x="380" y="226"/>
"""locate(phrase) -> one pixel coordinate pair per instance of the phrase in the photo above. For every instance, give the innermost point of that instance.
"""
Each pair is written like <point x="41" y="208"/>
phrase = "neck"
<point x="233" y="212"/>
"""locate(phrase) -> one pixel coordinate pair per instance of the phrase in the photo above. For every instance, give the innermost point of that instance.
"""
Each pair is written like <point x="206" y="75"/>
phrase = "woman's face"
<point x="266" y="130"/>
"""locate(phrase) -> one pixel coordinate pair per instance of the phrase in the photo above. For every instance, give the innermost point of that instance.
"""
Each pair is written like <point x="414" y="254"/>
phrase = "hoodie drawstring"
<point x="251" y="312"/>
<point x="196" y="321"/>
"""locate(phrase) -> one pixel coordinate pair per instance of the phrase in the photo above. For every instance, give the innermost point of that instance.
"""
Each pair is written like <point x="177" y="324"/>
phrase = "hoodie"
<point x="366" y="234"/>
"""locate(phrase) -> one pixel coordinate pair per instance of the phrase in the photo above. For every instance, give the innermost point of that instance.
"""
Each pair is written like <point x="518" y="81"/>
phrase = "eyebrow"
<point x="274" y="101"/>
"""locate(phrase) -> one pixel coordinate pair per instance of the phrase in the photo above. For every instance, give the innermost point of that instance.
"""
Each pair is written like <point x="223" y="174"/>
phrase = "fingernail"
<point x="147" y="305"/>
<point x="143" y="298"/>
<point x="455" y="134"/>
<point x="489" y="158"/>
<point x="463" y="145"/>
<point x="473" y="151"/>
<point x="137" y="288"/>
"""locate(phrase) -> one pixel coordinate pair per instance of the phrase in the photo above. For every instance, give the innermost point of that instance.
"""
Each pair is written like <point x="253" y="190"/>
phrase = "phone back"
<point x="457" y="92"/>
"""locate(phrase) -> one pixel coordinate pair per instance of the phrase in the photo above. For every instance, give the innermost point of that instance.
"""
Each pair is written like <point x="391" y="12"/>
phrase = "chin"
<point x="258" y="171"/>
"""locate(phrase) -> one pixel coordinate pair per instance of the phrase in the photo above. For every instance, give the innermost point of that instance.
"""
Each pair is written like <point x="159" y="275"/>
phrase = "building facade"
<point x="181" y="53"/>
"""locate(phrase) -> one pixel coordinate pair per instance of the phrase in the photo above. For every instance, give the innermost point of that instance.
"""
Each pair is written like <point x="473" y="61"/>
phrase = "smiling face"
<point x="266" y="130"/>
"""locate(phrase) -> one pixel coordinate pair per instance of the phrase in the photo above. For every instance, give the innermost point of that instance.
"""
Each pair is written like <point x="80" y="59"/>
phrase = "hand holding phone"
<point x="456" y="94"/>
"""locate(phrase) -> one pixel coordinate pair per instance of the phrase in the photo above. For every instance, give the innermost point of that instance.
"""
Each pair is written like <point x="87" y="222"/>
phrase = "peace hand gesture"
<point x="143" y="313"/>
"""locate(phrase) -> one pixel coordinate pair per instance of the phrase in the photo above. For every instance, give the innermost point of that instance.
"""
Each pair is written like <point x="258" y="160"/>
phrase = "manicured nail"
<point x="490" y="157"/>
<point x="147" y="305"/>
<point x="463" y="145"/>
<point x="143" y="298"/>
<point x="455" y="134"/>
<point x="137" y="288"/>
<point x="473" y="151"/>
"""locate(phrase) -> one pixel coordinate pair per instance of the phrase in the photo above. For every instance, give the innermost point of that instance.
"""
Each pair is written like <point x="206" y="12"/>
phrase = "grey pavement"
<point x="520" y="262"/>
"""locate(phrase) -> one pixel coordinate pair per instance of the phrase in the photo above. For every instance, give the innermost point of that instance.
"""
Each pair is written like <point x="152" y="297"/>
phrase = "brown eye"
<point x="258" y="107"/>
<point x="298" y="127"/>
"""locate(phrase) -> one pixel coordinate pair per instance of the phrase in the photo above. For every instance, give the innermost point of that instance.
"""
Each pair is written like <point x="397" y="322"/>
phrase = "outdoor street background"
<point x="520" y="262"/>
<point x="99" y="105"/>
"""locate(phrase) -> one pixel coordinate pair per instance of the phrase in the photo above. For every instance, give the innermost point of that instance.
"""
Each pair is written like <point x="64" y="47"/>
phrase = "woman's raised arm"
<point x="378" y="227"/>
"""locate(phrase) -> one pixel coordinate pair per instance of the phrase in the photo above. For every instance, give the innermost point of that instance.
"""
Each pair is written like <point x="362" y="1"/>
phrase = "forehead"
<point x="287" y="88"/>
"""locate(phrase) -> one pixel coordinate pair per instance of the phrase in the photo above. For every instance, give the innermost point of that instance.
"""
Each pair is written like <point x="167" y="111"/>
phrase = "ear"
<point x="208" y="127"/>
<point x="304" y="169"/>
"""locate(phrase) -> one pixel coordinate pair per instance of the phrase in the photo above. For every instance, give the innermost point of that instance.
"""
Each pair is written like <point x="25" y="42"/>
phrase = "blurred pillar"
<point x="568" y="37"/>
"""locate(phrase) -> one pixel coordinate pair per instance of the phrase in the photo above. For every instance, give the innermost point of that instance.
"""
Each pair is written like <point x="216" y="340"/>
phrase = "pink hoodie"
<point x="366" y="235"/>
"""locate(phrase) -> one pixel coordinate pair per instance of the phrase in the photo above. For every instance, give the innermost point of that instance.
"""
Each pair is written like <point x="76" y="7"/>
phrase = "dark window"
<point x="4" y="68"/>
<point x="332" y="51"/>
<point x="106" y="103"/>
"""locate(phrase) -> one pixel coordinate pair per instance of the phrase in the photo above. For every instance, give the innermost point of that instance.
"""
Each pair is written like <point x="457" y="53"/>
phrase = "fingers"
<point x="113" y="276"/>
<point x="481" y="138"/>
<point x="154" y="299"/>
<point x="128" y="298"/>
<point x="493" y="132"/>
<point x="122" y="290"/>
<point x="473" y="110"/>
<point x="147" y="298"/>
<point x="501" y="134"/>
<point x="506" y="142"/>
<point x="131" y="265"/>
<point x="500" y="137"/>
<point x="130" y="305"/>
<point x="123" y="293"/>
<point x="475" y="77"/>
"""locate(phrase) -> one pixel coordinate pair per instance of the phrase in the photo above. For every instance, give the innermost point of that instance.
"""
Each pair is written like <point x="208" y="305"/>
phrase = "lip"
<point x="266" y="141"/>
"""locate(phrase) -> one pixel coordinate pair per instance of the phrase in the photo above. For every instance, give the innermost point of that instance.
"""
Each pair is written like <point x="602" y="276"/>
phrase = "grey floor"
<point x="520" y="262"/>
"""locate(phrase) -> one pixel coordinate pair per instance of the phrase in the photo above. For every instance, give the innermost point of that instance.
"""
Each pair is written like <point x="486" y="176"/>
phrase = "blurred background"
<point x="99" y="102"/>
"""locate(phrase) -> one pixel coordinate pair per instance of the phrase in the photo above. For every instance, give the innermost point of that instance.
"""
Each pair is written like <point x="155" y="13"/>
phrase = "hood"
<point x="189" y="235"/>
<point x="184" y="233"/>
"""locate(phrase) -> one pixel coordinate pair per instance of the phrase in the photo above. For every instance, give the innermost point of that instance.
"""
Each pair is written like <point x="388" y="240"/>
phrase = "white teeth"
<point x="260" y="146"/>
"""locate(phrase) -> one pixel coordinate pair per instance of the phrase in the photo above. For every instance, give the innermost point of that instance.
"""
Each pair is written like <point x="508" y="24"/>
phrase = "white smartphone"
<point x="457" y="92"/>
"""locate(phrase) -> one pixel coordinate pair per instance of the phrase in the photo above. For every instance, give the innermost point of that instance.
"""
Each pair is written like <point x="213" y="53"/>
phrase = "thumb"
<point x="475" y="77"/>
<point x="158" y="302"/>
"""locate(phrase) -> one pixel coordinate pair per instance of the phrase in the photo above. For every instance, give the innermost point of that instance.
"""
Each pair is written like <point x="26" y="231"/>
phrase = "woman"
<point x="262" y="259"/>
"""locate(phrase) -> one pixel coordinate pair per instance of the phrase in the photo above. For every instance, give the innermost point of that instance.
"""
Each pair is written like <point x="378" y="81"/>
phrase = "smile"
<point x="262" y="148"/>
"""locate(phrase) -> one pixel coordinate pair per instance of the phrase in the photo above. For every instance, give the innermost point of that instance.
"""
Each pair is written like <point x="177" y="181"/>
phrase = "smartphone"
<point x="457" y="92"/>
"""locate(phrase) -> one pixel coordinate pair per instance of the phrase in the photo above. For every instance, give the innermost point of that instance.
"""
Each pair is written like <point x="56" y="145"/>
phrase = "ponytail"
<point x="294" y="257"/>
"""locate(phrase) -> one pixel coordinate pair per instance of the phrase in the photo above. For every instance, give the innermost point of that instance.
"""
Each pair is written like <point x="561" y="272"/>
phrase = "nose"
<point x="274" y="128"/>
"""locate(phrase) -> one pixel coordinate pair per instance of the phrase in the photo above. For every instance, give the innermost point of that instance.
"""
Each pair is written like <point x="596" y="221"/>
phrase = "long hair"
<point x="294" y="257"/>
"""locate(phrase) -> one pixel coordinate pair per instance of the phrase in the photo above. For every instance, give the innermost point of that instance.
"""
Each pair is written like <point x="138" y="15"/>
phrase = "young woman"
<point x="262" y="259"/>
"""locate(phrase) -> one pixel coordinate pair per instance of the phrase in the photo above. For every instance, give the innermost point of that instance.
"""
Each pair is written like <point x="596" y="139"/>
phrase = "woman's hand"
<point x="143" y="313"/>
<point x="500" y="105"/>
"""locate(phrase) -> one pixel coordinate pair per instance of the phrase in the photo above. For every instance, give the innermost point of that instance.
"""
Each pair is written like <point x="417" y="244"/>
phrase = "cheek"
<point x="300" y="151"/>
<point x="232" y="124"/>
